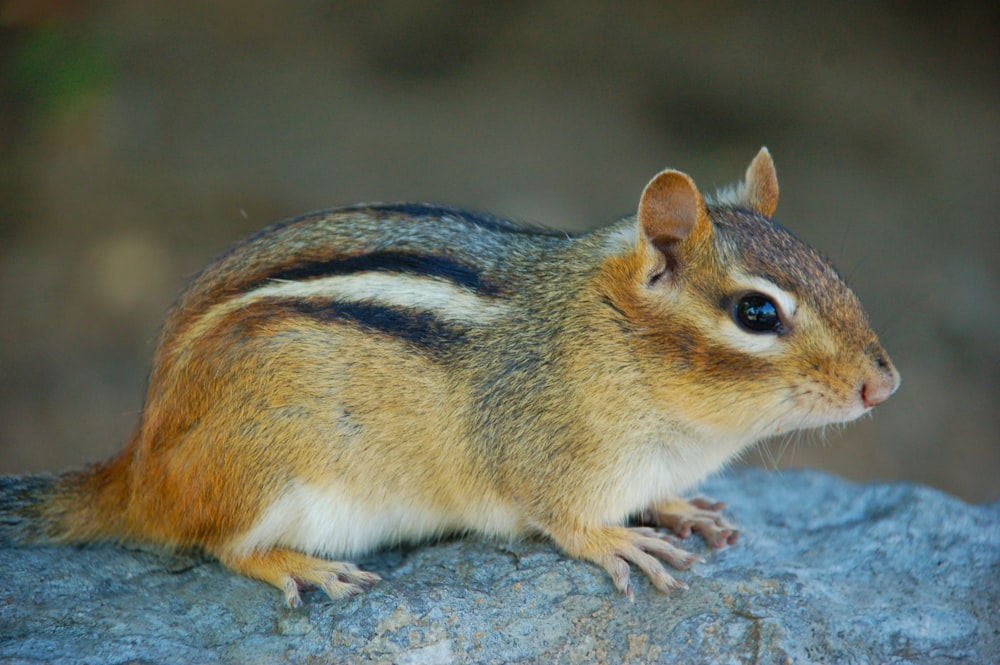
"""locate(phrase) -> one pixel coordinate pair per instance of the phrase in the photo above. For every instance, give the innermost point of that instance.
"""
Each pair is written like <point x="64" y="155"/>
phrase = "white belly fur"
<point x="324" y="520"/>
<point x="327" y="520"/>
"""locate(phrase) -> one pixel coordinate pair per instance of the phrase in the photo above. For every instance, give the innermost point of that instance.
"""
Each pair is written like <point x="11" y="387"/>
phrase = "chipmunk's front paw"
<point x="697" y="515"/>
<point x="613" y="548"/>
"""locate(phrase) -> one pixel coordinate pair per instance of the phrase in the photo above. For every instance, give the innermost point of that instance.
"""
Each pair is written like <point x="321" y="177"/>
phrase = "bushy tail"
<point x="21" y="498"/>
<point x="81" y="506"/>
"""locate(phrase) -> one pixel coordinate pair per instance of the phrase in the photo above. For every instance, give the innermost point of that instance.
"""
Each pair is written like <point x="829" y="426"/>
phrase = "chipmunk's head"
<point x="740" y="325"/>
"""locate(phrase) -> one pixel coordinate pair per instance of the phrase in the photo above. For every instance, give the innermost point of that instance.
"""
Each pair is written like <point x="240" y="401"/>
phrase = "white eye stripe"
<point x="731" y="335"/>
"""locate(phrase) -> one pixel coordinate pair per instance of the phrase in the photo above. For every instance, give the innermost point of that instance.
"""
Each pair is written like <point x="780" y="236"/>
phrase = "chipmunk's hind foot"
<point x="293" y="571"/>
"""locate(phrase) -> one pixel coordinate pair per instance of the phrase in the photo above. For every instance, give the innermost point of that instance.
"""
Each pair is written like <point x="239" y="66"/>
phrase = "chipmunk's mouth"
<point x="815" y="409"/>
<point x="839" y="402"/>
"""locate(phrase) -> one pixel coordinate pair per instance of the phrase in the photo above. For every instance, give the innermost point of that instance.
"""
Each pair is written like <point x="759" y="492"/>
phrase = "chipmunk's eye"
<point x="757" y="313"/>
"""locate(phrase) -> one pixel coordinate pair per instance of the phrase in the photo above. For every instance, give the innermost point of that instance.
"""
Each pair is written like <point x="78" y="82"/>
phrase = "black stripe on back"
<point x="413" y="264"/>
<point x="421" y="329"/>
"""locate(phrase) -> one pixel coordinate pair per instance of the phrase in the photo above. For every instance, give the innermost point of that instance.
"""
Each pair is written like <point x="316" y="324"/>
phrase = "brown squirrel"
<point x="358" y="377"/>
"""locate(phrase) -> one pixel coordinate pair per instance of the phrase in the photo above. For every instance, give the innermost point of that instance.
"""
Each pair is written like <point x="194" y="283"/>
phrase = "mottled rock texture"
<point x="825" y="571"/>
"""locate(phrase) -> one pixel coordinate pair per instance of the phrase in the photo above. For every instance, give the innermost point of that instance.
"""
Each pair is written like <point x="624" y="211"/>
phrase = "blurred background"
<point x="137" y="140"/>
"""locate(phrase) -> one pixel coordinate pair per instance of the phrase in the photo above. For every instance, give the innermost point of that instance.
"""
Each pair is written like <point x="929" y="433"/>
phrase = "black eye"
<point x="757" y="313"/>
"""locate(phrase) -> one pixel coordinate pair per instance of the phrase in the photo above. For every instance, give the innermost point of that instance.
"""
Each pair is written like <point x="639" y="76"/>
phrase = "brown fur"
<point x="593" y="378"/>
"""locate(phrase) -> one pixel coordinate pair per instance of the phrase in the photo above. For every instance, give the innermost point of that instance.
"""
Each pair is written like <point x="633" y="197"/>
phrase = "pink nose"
<point x="879" y="389"/>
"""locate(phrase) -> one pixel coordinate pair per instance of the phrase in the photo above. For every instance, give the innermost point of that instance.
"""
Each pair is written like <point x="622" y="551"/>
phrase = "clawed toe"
<point x="338" y="579"/>
<point x="707" y="504"/>
<point x="616" y="549"/>
<point x="291" y="590"/>
<point x="293" y="571"/>
<point x="699" y="515"/>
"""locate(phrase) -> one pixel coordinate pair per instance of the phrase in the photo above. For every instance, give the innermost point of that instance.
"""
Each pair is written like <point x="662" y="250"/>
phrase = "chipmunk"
<point x="358" y="377"/>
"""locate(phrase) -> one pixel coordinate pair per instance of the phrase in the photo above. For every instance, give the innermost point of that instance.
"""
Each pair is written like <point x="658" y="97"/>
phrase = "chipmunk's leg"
<point x="699" y="515"/>
<point x="613" y="548"/>
<point x="293" y="571"/>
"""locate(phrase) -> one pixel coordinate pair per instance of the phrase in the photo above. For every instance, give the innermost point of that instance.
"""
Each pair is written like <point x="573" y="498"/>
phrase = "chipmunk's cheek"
<point x="820" y="397"/>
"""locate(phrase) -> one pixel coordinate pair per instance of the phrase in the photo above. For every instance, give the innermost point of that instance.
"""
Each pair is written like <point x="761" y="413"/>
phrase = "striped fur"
<point x="357" y="377"/>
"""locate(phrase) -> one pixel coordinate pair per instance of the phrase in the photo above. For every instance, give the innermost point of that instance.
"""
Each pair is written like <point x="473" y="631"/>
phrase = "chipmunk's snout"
<point x="882" y="384"/>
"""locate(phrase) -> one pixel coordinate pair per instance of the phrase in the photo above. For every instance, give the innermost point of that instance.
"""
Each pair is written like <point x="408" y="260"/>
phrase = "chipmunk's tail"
<point x="80" y="506"/>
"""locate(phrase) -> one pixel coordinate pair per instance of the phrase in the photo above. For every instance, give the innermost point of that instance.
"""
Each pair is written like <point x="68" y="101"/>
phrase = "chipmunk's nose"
<point x="882" y="384"/>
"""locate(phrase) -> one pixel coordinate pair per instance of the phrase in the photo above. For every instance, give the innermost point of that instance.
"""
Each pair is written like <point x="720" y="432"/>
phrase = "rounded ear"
<point x="671" y="209"/>
<point x="760" y="186"/>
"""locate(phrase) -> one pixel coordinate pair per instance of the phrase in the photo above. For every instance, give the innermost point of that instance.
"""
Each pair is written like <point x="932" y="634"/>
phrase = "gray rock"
<point x="825" y="571"/>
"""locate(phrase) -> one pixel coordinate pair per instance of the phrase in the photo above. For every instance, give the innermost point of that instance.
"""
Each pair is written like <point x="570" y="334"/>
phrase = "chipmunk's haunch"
<point x="358" y="377"/>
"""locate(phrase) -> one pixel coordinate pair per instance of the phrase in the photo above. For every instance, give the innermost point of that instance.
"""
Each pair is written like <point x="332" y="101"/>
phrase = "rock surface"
<point x="825" y="571"/>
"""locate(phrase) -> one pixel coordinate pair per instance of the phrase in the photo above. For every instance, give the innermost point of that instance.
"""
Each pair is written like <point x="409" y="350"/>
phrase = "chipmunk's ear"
<point x="760" y="186"/>
<point x="672" y="211"/>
